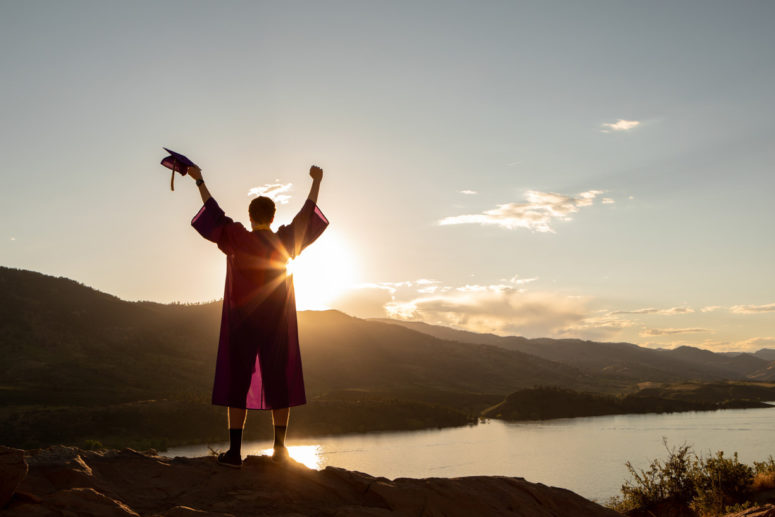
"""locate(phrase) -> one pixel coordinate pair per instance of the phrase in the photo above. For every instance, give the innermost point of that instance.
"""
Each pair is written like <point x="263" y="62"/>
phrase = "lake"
<point x="585" y="455"/>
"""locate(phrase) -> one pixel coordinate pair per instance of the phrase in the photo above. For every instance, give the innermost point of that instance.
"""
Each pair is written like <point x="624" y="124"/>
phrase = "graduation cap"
<point x="178" y="163"/>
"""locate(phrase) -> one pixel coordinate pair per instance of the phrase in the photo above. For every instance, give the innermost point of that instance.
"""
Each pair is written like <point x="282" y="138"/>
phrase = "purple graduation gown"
<point x="259" y="364"/>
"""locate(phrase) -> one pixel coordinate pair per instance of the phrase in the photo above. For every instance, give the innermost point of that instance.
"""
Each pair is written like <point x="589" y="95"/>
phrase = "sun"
<point x="322" y="272"/>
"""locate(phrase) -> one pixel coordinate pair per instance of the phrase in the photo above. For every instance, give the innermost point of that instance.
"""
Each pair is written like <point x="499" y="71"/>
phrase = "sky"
<point x="600" y="170"/>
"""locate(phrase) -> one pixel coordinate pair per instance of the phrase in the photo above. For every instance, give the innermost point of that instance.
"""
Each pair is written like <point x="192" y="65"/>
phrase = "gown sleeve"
<point x="305" y="228"/>
<point x="214" y="225"/>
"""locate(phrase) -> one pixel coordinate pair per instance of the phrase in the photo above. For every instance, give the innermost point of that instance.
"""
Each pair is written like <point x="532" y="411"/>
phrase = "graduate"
<point x="258" y="364"/>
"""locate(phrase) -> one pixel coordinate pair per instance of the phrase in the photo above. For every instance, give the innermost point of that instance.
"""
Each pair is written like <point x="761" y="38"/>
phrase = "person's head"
<point x="261" y="210"/>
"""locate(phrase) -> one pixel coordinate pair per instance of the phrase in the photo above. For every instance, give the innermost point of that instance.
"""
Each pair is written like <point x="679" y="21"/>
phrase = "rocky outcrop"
<point x="767" y="510"/>
<point x="13" y="469"/>
<point x="69" y="481"/>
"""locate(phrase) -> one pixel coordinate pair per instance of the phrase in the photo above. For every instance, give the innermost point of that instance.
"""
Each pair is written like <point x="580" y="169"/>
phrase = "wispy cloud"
<point x="468" y="192"/>
<point x="597" y="327"/>
<point x="537" y="214"/>
<point x="497" y="310"/>
<point x="651" y="310"/>
<point x="276" y="191"/>
<point x="505" y="307"/>
<point x="756" y="343"/>
<point x="671" y="332"/>
<point x="710" y="308"/>
<point x="620" y="125"/>
<point x="752" y="309"/>
<point x="608" y="201"/>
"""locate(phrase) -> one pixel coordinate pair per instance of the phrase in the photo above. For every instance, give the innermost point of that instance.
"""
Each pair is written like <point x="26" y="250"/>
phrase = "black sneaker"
<point x="228" y="459"/>
<point x="280" y="455"/>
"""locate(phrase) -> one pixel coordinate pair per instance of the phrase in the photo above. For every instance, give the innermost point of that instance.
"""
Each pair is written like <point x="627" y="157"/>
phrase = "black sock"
<point x="279" y="435"/>
<point x="235" y="439"/>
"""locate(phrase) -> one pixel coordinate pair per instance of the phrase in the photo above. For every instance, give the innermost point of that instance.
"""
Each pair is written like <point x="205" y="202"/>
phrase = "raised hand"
<point x="195" y="172"/>
<point x="316" y="173"/>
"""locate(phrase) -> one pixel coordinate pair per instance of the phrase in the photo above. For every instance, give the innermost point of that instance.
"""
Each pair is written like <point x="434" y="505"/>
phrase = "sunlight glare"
<point x="322" y="272"/>
<point x="307" y="455"/>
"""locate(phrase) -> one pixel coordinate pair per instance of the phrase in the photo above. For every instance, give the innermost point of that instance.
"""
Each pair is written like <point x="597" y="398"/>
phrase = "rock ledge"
<point x="68" y="481"/>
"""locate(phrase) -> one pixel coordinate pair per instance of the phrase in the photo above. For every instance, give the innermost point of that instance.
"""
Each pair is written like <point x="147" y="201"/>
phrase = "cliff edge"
<point x="63" y="480"/>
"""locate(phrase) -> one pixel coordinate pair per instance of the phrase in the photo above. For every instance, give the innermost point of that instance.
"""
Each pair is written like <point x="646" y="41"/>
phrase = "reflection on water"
<point x="308" y="455"/>
<point x="586" y="455"/>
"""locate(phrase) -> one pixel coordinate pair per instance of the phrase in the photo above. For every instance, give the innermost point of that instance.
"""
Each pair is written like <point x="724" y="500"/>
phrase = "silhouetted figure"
<point x="258" y="364"/>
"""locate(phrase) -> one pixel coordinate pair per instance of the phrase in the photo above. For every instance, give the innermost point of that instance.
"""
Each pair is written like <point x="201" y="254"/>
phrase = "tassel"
<point x="172" y="180"/>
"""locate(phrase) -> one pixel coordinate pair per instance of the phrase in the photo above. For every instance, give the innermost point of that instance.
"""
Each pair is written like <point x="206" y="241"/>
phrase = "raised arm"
<point x="196" y="174"/>
<point x="212" y="223"/>
<point x="309" y="223"/>
<point x="317" y="176"/>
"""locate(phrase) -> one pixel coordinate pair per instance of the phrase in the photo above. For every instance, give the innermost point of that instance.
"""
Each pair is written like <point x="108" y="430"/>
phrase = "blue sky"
<point x="406" y="105"/>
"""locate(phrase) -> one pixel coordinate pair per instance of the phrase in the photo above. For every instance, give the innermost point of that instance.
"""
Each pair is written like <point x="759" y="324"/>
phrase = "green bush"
<point x="720" y="483"/>
<point x="764" y="467"/>
<point x="706" y="486"/>
<point x="93" y="445"/>
<point x="672" y="480"/>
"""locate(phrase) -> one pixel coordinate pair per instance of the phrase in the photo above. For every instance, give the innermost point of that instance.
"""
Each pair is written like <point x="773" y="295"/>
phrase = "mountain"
<point x="84" y="365"/>
<point x="68" y="341"/>
<point x="768" y="354"/>
<point x="625" y="360"/>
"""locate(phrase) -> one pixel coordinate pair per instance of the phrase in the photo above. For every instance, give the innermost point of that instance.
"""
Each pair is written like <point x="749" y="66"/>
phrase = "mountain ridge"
<point x="617" y="358"/>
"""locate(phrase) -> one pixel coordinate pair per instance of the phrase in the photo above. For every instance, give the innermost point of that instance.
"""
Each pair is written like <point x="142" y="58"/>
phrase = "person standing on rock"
<point x="258" y="364"/>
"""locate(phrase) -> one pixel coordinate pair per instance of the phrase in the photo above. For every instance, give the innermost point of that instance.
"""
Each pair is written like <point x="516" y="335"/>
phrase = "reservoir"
<point x="586" y="455"/>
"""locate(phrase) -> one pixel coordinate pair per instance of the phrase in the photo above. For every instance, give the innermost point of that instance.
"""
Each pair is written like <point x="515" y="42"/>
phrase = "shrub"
<point x="669" y="481"/>
<point x="707" y="486"/>
<point x="720" y="483"/>
<point x="92" y="445"/>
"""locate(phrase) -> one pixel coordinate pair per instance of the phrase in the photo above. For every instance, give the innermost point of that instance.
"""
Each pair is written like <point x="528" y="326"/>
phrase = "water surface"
<point x="585" y="455"/>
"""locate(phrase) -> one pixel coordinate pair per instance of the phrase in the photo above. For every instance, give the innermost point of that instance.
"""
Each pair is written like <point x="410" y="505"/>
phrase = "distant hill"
<point x="551" y="402"/>
<point x="625" y="360"/>
<point x="118" y="369"/>
<point x="69" y="342"/>
<point x="768" y="354"/>
<point x="81" y="365"/>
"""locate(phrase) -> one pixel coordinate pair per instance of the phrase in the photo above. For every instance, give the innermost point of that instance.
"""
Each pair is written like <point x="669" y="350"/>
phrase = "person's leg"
<point x="235" y="422"/>
<point x="280" y="422"/>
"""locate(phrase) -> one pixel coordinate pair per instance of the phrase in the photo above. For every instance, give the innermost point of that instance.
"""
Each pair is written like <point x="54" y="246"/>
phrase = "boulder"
<point x="68" y="481"/>
<point x="13" y="469"/>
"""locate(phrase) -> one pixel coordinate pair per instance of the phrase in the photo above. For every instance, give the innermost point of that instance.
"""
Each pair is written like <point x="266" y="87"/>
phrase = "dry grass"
<point x="763" y="481"/>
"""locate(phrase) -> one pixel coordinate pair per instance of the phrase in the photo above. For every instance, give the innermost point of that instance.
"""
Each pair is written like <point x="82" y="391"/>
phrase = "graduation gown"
<point x="259" y="363"/>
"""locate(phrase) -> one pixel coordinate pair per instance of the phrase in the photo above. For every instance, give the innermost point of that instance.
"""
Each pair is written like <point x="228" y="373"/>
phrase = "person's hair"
<point x="261" y="210"/>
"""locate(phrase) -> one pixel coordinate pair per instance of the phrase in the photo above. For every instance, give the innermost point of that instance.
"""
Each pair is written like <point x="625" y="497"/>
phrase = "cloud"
<point x="274" y="191"/>
<point x="756" y="343"/>
<point x="710" y="308"/>
<point x="537" y="214"/>
<point x="468" y="192"/>
<point x="651" y="310"/>
<point x="494" y="309"/>
<point x="365" y="301"/>
<point x="620" y="125"/>
<point x="671" y="332"/>
<point x="598" y="327"/>
<point x="522" y="281"/>
<point x="752" y="309"/>
<point x="503" y="308"/>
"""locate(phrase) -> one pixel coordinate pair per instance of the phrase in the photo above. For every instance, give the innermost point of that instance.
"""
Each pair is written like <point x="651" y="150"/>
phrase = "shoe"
<point x="227" y="459"/>
<point x="280" y="455"/>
